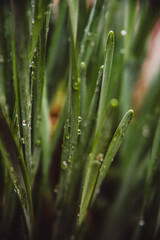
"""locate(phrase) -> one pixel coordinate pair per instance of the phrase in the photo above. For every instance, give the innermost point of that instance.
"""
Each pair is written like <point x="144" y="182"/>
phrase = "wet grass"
<point x="74" y="161"/>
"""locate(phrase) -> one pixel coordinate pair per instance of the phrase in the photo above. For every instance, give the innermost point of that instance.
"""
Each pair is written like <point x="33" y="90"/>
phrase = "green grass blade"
<point x="87" y="136"/>
<point x="100" y="144"/>
<point x="73" y="14"/>
<point x="106" y="75"/>
<point x="45" y="127"/>
<point x="71" y="130"/>
<point x="38" y="76"/>
<point x="21" y="76"/>
<point x="6" y="81"/>
<point x="151" y="207"/>
<point x="41" y="11"/>
<point x="89" y="36"/>
<point x="55" y="42"/>
<point x="83" y="90"/>
<point x="16" y="166"/>
<point x="89" y="124"/>
<point x="89" y="185"/>
<point x="114" y="146"/>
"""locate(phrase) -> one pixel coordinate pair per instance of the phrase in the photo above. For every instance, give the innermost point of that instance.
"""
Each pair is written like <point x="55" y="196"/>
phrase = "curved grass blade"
<point x="106" y="75"/>
<point x="17" y="169"/>
<point x="100" y="144"/>
<point x="113" y="147"/>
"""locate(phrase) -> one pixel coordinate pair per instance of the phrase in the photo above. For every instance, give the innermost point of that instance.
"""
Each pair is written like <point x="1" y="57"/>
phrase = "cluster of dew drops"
<point x="64" y="163"/>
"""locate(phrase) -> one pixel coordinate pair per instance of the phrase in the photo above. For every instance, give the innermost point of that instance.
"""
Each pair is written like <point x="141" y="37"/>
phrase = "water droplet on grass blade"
<point x="145" y="131"/>
<point x="38" y="143"/>
<point x="67" y="137"/>
<point x="79" y="119"/>
<point x="11" y="169"/>
<point x="83" y="65"/>
<point x="99" y="157"/>
<point x="122" y="51"/>
<point x="141" y="223"/>
<point x="75" y="86"/>
<point x="64" y="165"/>
<point x="123" y="32"/>
<point x="79" y="131"/>
<point x="1" y="58"/>
<point x="24" y="123"/>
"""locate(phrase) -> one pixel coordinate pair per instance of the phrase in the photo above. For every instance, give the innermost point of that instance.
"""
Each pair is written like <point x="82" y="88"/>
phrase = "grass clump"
<point x="70" y="74"/>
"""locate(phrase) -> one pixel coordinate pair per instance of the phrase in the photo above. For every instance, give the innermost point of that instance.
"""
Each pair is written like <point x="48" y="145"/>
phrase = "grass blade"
<point x="73" y="14"/>
<point x="71" y="130"/>
<point x="89" y="124"/>
<point x="106" y="74"/>
<point x="151" y="207"/>
<point x="16" y="166"/>
<point x="114" y="146"/>
<point x="96" y="157"/>
<point x="21" y="76"/>
<point x="6" y="81"/>
<point x="38" y="23"/>
<point x="89" y="36"/>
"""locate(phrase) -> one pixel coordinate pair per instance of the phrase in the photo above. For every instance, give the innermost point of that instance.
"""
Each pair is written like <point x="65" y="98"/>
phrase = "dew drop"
<point x="141" y="223"/>
<point x="79" y="131"/>
<point x="70" y="158"/>
<point x="79" y="119"/>
<point x="32" y="21"/>
<point x="122" y="51"/>
<point x="75" y="86"/>
<point x="22" y="141"/>
<point x="67" y="137"/>
<point x="145" y="131"/>
<point x="38" y="143"/>
<point x="1" y="58"/>
<point x="92" y="44"/>
<point x="82" y="48"/>
<point x="64" y="165"/>
<point x="11" y="169"/>
<point x="24" y="123"/>
<point x="55" y="190"/>
<point x="39" y="16"/>
<point x="83" y="65"/>
<point x="99" y="157"/>
<point x="102" y="67"/>
<point x="123" y="32"/>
